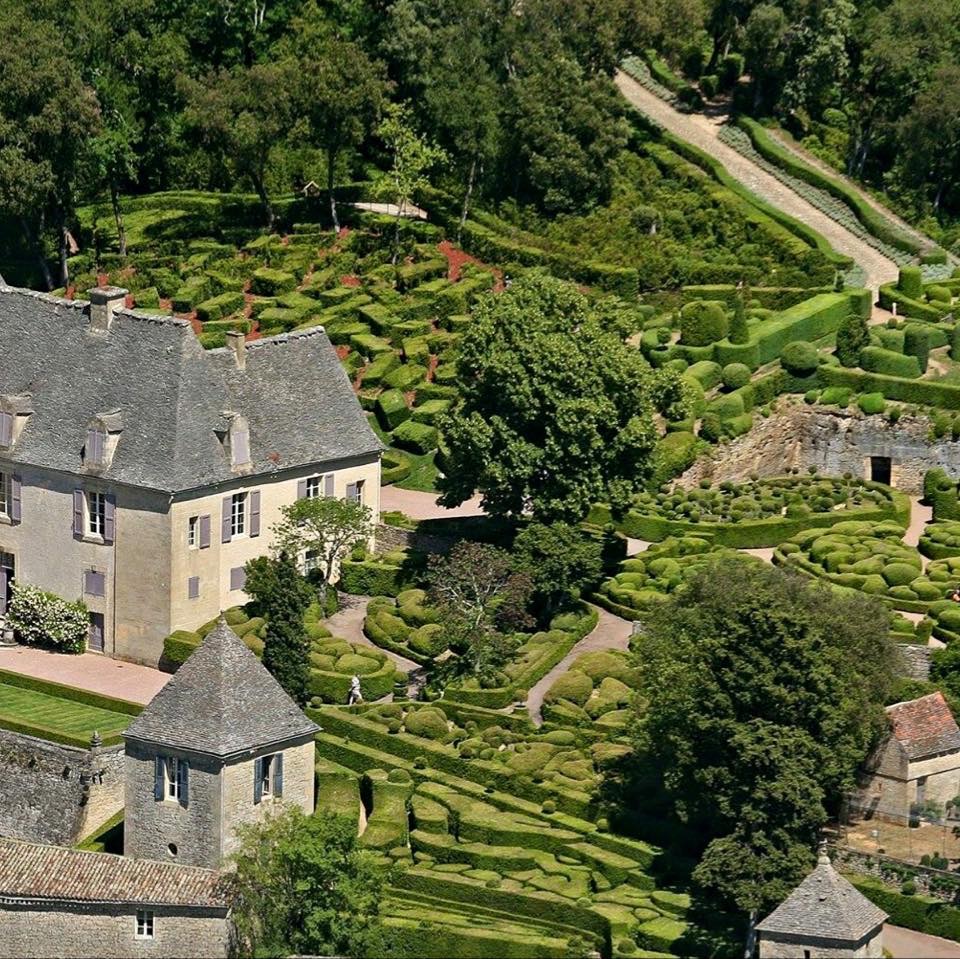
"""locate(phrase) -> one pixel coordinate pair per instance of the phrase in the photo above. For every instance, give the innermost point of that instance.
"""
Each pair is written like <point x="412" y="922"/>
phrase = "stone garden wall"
<point x="835" y="442"/>
<point x="56" y="794"/>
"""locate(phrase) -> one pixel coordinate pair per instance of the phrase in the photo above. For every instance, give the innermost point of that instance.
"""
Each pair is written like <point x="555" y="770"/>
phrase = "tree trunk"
<point x="118" y="218"/>
<point x="466" y="198"/>
<point x="331" y="159"/>
<point x="33" y="242"/>
<point x="396" y="235"/>
<point x="64" y="253"/>
<point x="941" y="189"/>
<point x="261" y="189"/>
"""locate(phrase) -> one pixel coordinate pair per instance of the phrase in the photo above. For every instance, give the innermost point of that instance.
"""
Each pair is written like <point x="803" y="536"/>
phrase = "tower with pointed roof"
<point x="825" y="916"/>
<point x="220" y="746"/>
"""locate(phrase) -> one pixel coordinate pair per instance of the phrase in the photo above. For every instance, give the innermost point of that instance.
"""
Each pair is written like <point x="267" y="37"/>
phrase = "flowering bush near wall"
<point x="43" y="619"/>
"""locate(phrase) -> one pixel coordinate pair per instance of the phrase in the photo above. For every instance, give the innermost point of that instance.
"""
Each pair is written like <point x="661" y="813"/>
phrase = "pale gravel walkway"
<point x="611" y="632"/>
<point x="90" y="671"/>
<point x="347" y="623"/>
<point x="907" y="944"/>
<point x="702" y="130"/>
<point x="419" y="505"/>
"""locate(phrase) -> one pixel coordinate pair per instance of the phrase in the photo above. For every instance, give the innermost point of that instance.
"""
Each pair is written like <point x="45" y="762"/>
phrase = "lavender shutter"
<point x="328" y="485"/>
<point x="109" y="518"/>
<point x="241" y="447"/>
<point x="255" y="512"/>
<point x="193" y="587"/>
<point x="278" y="774"/>
<point x="13" y="508"/>
<point x="158" y="778"/>
<point x="238" y="577"/>
<point x="3" y="590"/>
<point x="94" y="583"/>
<point x="225" y="534"/>
<point x="257" y="780"/>
<point x="78" y="512"/>
<point x="94" y="446"/>
<point x="205" y="531"/>
<point x="301" y="489"/>
<point x="6" y="429"/>
<point x="351" y="492"/>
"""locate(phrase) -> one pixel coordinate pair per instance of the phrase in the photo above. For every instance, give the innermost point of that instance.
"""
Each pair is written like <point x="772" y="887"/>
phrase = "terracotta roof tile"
<point x="33" y="871"/>
<point x="924" y="726"/>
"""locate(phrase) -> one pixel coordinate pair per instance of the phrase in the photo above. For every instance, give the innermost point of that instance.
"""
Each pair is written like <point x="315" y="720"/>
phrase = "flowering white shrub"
<point x="47" y="620"/>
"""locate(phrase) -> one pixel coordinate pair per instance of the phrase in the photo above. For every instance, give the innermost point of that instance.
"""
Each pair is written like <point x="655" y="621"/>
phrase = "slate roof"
<point x="171" y="394"/>
<point x="221" y="702"/>
<point x="924" y="726"/>
<point x="33" y="871"/>
<point x="824" y="906"/>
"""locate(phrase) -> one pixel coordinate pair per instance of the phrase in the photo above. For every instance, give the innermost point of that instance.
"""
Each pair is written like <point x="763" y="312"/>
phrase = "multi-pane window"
<point x="314" y="487"/>
<point x="238" y="514"/>
<point x="96" y="514"/>
<point x="144" y="924"/>
<point x="311" y="560"/>
<point x="193" y="532"/>
<point x="266" y="779"/>
<point x="4" y="494"/>
<point x="172" y="778"/>
<point x="355" y="492"/>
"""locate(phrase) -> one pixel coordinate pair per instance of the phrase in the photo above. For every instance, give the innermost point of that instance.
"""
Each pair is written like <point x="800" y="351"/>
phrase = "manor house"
<point x="140" y="472"/>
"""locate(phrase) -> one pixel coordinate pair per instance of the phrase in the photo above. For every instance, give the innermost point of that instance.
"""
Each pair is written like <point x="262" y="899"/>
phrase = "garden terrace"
<point x="61" y="714"/>
<point x="495" y="871"/>
<point x="759" y="512"/>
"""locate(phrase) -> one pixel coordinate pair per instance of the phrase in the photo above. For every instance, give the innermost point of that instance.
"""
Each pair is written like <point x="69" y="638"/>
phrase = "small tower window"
<point x="144" y="924"/>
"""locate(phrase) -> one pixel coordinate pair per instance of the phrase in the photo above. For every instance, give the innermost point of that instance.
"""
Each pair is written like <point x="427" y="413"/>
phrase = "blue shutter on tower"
<point x="205" y="531"/>
<point x="225" y="534"/>
<point x="158" y="778"/>
<point x="278" y="774"/>
<point x="257" y="780"/>
<point x="183" y="782"/>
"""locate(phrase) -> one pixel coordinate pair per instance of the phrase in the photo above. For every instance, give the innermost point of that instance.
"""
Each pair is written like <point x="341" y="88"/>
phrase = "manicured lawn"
<point x="25" y="708"/>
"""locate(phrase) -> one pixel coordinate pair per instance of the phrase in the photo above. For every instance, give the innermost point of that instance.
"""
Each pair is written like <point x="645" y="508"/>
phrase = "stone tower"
<point x="825" y="917"/>
<point x="221" y="745"/>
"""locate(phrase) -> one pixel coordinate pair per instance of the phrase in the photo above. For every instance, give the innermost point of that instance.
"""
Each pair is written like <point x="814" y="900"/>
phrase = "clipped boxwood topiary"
<point x="736" y="375"/>
<point x="799" y="358"/>
<point x="702" y="322"/>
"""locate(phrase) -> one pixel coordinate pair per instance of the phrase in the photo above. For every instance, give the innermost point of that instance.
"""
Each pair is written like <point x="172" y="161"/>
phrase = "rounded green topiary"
<point x="399" y="776"/>
<point x="799" y="358"/>
<point x="736" y="375"/>
<point x="872" y="403"/>
<point x="429" y="722"/>
<point x="702" y="322"/>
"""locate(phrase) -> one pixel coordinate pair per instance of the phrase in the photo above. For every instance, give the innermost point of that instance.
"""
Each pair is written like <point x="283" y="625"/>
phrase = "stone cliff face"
<point x="835" y="442"/>
<point x="56" y="794"/>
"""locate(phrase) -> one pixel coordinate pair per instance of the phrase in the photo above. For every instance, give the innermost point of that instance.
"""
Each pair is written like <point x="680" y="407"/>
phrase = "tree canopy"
<point x="761" y="694"/>
<point x="555" y="411"/>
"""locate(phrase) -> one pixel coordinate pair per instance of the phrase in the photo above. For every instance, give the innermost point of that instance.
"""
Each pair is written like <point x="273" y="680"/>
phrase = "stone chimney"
<point x="237" y="341"/>
<point x="103" y="301"/>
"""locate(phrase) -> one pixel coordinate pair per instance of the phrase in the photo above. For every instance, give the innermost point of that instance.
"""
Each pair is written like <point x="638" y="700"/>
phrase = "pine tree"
<point x="739" y="332"/>
<point x="852" y="337"/>
<point x="283" y="595"/>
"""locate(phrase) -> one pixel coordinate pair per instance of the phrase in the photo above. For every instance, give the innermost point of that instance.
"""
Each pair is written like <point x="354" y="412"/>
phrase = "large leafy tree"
<point x="303" y="886"/>
<point x="282" y="596"/>
<point x="555" y="411"/>
<point x="763" y="693"/>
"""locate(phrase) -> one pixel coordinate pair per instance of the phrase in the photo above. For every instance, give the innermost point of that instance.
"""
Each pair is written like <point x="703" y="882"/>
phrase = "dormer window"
<point x="14" y="412"/>
<point x="235" y="438"/>
<point x="6" y="429"/>
<point x="103" y="434"/>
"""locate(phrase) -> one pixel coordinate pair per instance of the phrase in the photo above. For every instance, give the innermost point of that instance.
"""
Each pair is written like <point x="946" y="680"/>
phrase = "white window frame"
<point x="359" y="486"/>
<point x="5" y="494"/>
<point x="193" y="532"/>
<point x="315" y="487"/>
<point x="312" y="559"/>
<point x="171" y="781"/>
<point x="238" y="515"/>
<point x="144" y="924"/>
<point x="266" y="776"/>
<point x="96" y="513"/>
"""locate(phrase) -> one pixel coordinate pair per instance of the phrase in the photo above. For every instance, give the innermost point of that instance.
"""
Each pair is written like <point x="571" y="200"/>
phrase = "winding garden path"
<point x="701" y="130"/>
<point x="611" y="632"/>
<point x="347" y="623"/>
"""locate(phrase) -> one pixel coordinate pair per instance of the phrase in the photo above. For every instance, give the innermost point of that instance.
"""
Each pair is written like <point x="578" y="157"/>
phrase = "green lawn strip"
<point x="57" y="719"/>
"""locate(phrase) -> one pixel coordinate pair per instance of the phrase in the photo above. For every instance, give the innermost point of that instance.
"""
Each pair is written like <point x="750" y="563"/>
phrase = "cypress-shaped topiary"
<point x="739" y="331"/>
<point x="916" y="342"/>
<point x="852" y="337"/>
<point x="955" y="342"/>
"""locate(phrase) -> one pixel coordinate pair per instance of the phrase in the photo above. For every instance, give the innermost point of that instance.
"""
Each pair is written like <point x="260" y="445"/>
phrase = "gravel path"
<point x="611" y="632"/>
<point x="419" y="505"/>
<point x="701" y="131"/>
<point x="347" y="623"/>
<point x="90" y="671"/>
<point x="907" y="944"/>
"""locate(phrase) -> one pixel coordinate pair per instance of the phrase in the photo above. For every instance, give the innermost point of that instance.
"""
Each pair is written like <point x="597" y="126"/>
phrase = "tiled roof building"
<point x="823" y="917"/>
<point x="142" y="472"/>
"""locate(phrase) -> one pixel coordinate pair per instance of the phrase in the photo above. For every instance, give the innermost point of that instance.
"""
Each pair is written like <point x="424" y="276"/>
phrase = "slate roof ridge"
<point x="222" y="701"/>
<point x="44" y="297"/>
<point x="825" y="905"/>
<point x="31" y="871"/>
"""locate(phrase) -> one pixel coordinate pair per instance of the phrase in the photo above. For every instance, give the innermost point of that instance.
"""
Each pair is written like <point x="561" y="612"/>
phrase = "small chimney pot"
<point x="103" y="301"/>
<point x="238" y="343"/>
